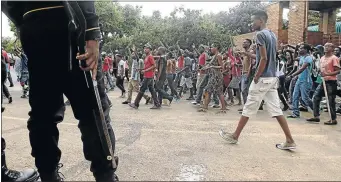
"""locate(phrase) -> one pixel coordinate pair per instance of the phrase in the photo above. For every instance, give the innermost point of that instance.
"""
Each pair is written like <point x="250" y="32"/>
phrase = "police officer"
<point x="45" y="39"/>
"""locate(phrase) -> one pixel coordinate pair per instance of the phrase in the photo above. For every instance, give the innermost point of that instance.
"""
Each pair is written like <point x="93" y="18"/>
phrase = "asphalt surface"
<point x="178" y="143"/>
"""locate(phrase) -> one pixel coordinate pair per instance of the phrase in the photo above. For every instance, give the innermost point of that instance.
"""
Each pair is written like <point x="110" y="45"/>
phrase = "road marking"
<point x="191" y="173"/>
<point x="25" y="119"/>
<point x="180" y="131"/>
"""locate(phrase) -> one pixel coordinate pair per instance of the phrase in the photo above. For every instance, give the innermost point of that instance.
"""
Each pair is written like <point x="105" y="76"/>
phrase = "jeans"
<point x="331" y="87"/>
<point x="120" y="84"/>
<point x="170" y="80"/>
<point x="109" y="79"/>
<point x="160" y="90"/>
<point x="202" y="86"/>
<point x="244" y="87"/>
<point x="291" y="88"/>
<point x="302" y="90"/>
<point x="148" y="83"/>
<point x="215" y="99"/>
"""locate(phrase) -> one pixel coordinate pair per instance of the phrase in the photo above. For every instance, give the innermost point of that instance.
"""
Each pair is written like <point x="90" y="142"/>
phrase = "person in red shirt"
<point x="9" y="76"/>
<point x="201" y="74"/>
<point x="236" y="66"/>
<point x="106" y="69"/>
<point x="148" y="80"/>
<point x="180" y="66"/>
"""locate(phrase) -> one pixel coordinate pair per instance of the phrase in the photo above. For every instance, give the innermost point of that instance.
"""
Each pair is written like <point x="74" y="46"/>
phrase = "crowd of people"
<point x="18" y="61"/>
<point x="225" y="76"/>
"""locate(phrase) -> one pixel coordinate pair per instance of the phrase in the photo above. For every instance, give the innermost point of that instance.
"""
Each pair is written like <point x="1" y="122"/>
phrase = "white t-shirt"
<point x="120" y="67"/>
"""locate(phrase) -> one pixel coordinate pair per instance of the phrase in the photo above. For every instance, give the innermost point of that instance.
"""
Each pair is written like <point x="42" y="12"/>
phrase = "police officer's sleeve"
<point x="92" y="31"/>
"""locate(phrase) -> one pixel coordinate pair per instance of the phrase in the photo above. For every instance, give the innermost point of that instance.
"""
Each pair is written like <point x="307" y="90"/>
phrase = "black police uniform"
<point x="45" y="39"/>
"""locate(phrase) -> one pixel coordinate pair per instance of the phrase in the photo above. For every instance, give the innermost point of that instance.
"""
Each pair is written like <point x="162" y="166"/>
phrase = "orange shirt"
<point x="328" y="65"/>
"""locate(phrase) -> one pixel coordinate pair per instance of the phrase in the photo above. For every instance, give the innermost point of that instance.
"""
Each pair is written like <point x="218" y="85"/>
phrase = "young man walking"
<point x="134" y="82"/>
<point x="148" y="81"/>
<point x="120" y="74"/>
<point x="264" y="85"/>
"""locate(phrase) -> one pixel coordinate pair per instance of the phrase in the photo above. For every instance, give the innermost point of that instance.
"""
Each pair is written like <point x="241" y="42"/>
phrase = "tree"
<point x="313" y="18"/>
<point x="338" y="18"/>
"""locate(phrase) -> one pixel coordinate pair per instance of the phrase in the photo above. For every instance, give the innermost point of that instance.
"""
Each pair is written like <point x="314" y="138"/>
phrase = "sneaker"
<point x="195" y="103"/>
<point x="125" y="102"/>
<point x="156" y="107"/>
<point x="240" y="110"/>
<point x="132" y="105"/>
<point x="292" y="116"/>
<point x="228" y="137"/>
<point x="316" y="120"/>
<point x="286" y="146"/>
<point x="215" y="106"/>
<point x="24" y="96"/>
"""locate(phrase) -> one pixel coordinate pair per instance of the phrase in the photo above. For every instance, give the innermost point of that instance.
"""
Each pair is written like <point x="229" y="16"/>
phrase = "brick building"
<point x="297" y="30"/>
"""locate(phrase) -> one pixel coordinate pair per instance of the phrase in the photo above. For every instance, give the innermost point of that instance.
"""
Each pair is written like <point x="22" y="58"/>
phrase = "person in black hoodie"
<point x="46" y="39"/>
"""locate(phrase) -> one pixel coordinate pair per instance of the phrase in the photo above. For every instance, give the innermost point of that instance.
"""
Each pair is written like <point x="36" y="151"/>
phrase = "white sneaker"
<point x="227" y="136"/>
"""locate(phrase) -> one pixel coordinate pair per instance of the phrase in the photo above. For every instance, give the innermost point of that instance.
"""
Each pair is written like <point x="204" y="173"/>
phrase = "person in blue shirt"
<point x="304" y="81"/>
<point x="23" y="78"/>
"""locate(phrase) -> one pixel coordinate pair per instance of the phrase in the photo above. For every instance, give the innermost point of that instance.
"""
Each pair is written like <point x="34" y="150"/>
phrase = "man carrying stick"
<point x="330" y="67"/>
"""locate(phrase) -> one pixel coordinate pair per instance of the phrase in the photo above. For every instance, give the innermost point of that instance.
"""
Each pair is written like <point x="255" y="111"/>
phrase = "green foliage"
<point x="313" y="18"/>
<point x="10" y="44"/>
<point x="338" y="18"/>
<point x="183" y="26"/>
<point x="124" y="26"/>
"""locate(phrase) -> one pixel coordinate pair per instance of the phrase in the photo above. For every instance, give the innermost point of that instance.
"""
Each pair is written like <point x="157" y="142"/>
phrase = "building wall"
<point x="239" y="39"/>
<point x="331" y="21"/>
<point x="274" y="12"/>
<point x="297" y="22"/>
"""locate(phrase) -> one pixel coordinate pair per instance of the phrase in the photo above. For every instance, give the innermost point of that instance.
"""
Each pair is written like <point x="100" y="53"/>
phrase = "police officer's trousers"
<point x="44" y="37"/>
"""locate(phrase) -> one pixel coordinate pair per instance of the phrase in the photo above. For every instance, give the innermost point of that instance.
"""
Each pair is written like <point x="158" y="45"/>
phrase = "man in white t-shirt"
<point x="120" y="74"/>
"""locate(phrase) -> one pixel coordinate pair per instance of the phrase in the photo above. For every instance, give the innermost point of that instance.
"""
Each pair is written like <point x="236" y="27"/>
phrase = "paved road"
<point x="177" y="143"/>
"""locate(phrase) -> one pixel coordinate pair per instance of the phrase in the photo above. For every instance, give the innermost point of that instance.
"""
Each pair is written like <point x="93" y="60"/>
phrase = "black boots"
<point x="28" y="175"/>
<point x="55" y="176"/>
<point x="108" y="176"/>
